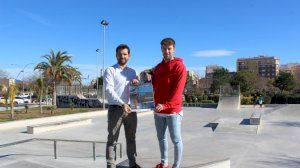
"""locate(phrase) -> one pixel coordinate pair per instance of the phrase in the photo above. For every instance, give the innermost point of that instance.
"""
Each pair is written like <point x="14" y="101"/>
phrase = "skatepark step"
<point x="255" y="118"/>
<point x="232" y="125"/>
<point x="215" y="164"/>
<point x="34" y="129"/>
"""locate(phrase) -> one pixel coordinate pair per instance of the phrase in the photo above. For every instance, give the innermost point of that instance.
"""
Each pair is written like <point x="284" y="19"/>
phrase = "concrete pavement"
<point x="275" y="145"/>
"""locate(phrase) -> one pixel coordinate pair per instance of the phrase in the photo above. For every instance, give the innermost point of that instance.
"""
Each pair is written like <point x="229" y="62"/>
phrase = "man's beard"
<point x="167" y="57"/>
<point x="122" y="62"/>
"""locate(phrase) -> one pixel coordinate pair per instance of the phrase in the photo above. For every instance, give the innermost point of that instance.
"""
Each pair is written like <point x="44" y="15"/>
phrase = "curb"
<point x="36" y="121"/>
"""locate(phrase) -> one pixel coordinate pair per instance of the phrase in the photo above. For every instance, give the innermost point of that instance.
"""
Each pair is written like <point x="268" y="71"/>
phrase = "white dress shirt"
<point x="117" y="81"/>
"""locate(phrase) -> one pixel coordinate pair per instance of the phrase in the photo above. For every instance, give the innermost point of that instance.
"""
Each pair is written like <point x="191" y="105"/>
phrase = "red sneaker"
<point x="162" y="166"/>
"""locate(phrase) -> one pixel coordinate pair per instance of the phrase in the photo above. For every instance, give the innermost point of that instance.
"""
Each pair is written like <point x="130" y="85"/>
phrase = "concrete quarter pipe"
<point x="230" y="98"/>
<point x="231" y="102"/>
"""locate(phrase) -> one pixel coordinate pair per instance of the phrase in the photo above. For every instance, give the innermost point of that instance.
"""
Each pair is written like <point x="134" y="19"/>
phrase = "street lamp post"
<point x="23" y="77"/>
<point x="97" y="79"/>
<point x="104" y="23"/>
<point x="23" y="71"/>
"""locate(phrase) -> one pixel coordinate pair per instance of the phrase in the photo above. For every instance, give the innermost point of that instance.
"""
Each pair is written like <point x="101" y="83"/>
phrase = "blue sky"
<point x="206" y="31"/>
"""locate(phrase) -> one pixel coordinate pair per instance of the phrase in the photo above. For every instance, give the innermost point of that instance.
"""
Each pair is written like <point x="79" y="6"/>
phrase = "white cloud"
<point x="35" y="17"/>
<point x="213" y="53"/>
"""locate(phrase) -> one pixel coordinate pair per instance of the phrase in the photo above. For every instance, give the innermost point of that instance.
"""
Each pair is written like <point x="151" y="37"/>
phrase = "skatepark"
<point x="212" y="138"/>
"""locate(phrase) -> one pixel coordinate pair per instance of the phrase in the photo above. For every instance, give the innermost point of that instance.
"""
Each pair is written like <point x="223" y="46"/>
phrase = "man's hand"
<point x="126" y="108"/>
<point x="159" y="107"/>
<point x="135" y="82"/>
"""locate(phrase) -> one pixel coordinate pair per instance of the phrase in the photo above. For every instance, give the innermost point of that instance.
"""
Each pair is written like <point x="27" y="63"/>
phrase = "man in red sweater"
<point x="168" y="80"/>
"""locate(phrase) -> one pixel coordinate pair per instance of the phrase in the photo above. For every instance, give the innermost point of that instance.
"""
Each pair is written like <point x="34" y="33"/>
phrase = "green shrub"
<point x="267" y="100"/>
<point x="205" y="97"/>
<point x="51" y="108"/>
<point x="72" y="105"/>
<point x="214" y="97"/>
<point x="247" y="100"/>
<point x="284" y="98"/>
<point x="199" y="97"/>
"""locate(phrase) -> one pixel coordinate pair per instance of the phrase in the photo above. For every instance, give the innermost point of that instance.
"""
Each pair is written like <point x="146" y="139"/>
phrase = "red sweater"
<point x="168" y="84"/>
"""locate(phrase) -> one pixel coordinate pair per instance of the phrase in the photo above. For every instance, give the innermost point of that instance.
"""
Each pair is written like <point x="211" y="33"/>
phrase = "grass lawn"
<point x="35" y="113"/>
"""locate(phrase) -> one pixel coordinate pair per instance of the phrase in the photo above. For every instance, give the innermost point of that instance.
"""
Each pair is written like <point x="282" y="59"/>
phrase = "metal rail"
<point x="55" y="149"/>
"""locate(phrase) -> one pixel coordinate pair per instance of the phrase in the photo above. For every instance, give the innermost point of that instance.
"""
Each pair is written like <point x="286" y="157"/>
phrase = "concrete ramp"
<point x="232" y="102"/>
<point x="81" y="96"/>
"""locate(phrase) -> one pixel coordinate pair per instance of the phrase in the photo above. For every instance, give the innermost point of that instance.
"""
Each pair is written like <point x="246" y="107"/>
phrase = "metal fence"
<point x="87" y="92"/>
<point x="55" y="146"/>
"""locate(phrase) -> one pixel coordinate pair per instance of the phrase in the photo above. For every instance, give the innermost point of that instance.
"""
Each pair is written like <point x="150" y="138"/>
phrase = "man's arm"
<point x="109" y="87"/>
<point x="177" y="88"/>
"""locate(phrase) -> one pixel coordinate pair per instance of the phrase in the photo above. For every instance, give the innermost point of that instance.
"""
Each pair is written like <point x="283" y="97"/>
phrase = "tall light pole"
<point x="97" y="79"/>
<point x="23" y="74"/>
<point x="104" y="23"/>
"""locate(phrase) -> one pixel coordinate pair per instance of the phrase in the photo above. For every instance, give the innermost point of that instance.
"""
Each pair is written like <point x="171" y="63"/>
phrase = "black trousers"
<point x="116" y="117"/>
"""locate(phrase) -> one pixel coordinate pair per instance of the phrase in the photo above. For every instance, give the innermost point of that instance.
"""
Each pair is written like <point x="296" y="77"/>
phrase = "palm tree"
<point x="54" y="68"/>
<point x="11" y="94"/>
<point x="71" y="75"/>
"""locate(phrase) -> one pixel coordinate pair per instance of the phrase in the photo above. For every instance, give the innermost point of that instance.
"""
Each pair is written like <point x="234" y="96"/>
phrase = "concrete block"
<point x="35" y="129"/>
<point x="52" y="119"/>
<point x="255" y="118"/>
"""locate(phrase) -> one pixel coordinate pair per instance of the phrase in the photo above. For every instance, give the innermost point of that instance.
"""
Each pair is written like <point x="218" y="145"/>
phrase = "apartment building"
<point x="263" y="66"/>
<point x="210" y="69"/>
<point x="293" y="68"/>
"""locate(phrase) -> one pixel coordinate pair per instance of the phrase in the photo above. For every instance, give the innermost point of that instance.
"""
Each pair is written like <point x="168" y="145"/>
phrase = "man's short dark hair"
<point x="168" y="41"/>
<point x="122" y="47"/>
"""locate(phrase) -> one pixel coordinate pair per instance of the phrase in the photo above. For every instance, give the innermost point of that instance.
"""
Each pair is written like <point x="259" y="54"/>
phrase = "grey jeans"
<point x="116" y="117"/>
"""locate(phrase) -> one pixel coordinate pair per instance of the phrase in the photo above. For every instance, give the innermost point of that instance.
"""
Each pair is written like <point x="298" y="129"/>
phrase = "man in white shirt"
<point x="117" y="79"/>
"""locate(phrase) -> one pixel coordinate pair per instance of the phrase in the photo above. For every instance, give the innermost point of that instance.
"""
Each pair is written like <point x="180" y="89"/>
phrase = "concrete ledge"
<point x="217" y="164"/>
<point x="255" y="118"/>
<point x="35" y="129"/>
<point x="52" y="119"/>
<point x="36" y="121"/>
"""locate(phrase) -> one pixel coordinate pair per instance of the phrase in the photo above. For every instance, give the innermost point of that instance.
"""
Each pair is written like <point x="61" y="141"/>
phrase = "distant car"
<point x="26" y="100"/>
<point x="24" y="95"/>
<point x="2" y="100"/>
<point x="19" y="100"/>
